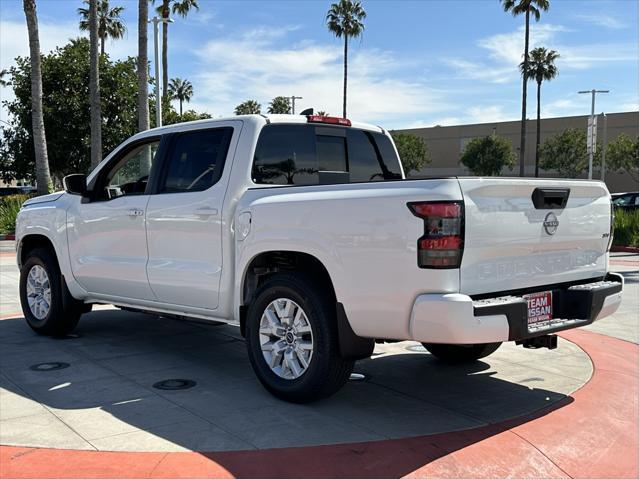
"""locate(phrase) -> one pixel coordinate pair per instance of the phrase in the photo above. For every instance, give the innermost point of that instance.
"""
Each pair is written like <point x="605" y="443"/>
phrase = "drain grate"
<point x="174" y="384"/>
<point x="53" y="366"/>
<point x="358" y="377"/>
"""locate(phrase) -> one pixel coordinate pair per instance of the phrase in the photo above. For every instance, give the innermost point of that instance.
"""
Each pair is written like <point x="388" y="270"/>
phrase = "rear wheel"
<point x="461" y="353"/>
<point x="291" y="337"/>
<point x="46" y="302"/>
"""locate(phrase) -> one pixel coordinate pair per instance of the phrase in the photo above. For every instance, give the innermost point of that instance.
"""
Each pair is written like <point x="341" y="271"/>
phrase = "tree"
<point x="181" y="8"/>
<point x="39" y="138"/>
<point x="534" y="8"/>
<point x="94" y="86"/>
<point x="566" y="153"/>
<point x="181" y="90"/>
<point x="346" y="19"/>
<point x="488" y="155"/>
<point x="110" y="24"/>
<point x="322" y="113"/>
<point x="4" y="73"/>
<point x="170" y="116"/>
<point x="622" y="154"/>
<point x="541" y="66"/>
<point x="65" y="74"/>
<point x="281" y="105"/>
<point x="143" y="66"/>
<point x="413" y="151"/>
<point x="248" y="107"/>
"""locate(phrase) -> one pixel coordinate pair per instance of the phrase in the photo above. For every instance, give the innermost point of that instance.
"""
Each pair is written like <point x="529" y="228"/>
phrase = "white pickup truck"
<point x="303" y="232"/>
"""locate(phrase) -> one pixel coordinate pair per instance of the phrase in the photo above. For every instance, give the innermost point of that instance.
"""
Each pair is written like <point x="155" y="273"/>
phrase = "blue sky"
<point x="419" y="63"/>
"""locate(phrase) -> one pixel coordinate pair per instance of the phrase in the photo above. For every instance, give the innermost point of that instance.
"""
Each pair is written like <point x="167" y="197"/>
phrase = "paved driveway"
<point x="104" y="396"/>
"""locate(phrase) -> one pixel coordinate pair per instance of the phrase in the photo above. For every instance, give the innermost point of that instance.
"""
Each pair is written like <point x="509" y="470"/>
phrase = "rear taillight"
<point x="331" y="120"/>
<point x="442" y="245"/>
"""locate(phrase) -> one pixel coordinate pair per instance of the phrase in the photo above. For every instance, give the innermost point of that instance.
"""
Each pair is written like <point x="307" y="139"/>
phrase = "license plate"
<point x="539" y="308"/>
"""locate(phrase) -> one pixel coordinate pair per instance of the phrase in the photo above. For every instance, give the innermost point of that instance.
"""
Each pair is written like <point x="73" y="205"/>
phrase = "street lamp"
<point x="293" y="98"/>
<point x="592" y="128"/>
<point x="156" y="40"/>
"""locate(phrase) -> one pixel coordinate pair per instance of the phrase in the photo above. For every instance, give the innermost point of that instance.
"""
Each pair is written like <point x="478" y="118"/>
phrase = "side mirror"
<point x="75" y="184"/>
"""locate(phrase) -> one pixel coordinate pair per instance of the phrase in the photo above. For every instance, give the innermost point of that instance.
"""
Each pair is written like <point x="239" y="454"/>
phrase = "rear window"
<point x="311" y="155"/>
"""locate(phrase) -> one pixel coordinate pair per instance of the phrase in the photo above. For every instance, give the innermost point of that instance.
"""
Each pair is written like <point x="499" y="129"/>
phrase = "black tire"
<point x="461" y="353"/>
<point x="327" y="371"/>
<point x="64" y="310"/>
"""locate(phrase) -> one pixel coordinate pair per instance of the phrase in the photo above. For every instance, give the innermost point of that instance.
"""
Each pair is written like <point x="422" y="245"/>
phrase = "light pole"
<point x="293" y="98"/>
<point x="592" y="128"/>
<point x="156" y="40"/>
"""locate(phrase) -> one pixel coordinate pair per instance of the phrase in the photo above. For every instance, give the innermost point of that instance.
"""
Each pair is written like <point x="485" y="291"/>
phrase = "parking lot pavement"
<point x="103" y="398"/>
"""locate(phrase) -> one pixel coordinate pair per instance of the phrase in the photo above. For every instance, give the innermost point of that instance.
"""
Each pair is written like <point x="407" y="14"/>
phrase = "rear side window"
<point x="196" y="160"/>
<point x="285" y="155"/>
<point x="310" y="155"/>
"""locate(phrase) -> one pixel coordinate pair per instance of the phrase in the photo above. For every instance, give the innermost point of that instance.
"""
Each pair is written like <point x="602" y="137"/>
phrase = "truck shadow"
<point x="407" y="400"/>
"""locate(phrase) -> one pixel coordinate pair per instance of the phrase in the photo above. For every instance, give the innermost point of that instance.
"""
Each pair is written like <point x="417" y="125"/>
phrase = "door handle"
<point x="205" y="211"/>
<point x="136" y="212"/>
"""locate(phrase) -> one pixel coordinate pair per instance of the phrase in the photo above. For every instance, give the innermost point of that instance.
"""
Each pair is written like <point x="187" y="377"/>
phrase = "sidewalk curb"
<point x="624" y="249"/>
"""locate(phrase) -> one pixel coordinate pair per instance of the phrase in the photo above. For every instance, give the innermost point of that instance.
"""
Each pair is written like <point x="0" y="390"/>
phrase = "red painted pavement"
<point x="593" y="434"/>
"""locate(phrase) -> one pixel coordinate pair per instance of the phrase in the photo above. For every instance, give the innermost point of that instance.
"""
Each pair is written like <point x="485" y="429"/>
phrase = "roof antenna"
<point x="308" y="111"/>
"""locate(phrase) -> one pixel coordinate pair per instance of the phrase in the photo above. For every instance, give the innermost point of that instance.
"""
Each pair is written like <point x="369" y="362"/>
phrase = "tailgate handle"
<point x="550" y="198"/>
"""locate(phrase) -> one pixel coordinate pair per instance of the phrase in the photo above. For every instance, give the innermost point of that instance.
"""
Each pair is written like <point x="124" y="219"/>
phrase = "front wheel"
<point x="48" y="307"/>
<point x="461" y="353"/>
<point x="291" y="337"/>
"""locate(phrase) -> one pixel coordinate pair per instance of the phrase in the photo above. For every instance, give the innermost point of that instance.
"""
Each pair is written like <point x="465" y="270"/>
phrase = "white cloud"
<point x="255" y="65"/>
<point x="505" y="52"/>
<point x="603" y="20"/>
<point x="487" y="114"/>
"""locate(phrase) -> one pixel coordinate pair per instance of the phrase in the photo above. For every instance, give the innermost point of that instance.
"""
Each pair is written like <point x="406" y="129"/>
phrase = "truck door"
<point x="184" y="217"/>
<point x="107" y="235"/>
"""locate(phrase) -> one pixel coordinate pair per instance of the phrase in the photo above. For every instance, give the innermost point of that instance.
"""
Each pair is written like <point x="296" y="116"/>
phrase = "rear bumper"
<point x="458" y="319"/>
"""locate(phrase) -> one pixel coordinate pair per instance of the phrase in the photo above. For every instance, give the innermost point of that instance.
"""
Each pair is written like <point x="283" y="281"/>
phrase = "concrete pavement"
<point x="105" y="400"/>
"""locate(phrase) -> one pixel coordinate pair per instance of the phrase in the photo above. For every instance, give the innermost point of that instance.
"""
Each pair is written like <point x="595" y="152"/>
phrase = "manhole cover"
<point x="49" y="366"/>
<point x="416" y="348"/>
<point x="174" y="384"/>
<point x="358" y="377"/>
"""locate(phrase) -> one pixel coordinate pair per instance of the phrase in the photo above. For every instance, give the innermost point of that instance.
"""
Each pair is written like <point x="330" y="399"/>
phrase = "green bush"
<point x="626" y="228"/>
<point x="9" y="207"/>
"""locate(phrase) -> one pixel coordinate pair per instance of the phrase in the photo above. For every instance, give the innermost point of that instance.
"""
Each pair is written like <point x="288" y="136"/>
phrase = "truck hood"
<point x="44" y="198"/>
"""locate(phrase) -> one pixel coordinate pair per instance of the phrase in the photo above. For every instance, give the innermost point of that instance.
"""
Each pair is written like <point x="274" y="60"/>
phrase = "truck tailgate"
<point x="511" y="243"/>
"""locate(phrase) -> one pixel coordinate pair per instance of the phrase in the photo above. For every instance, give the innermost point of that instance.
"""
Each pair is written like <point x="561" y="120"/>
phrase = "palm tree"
<point x="143" y="66"/>
<point x="528" y="7"/>
<point x="541" y="66"/>
<point x="345" y="19"/>
<point x="110" y="24"/>
<point x="94" y="85"/>
<point x="181" y="90"/>
<point x="182" y="8"/>
<point x="248" y="107"/>
<point x="43" y="176"/>
<point x="280" y="105"/>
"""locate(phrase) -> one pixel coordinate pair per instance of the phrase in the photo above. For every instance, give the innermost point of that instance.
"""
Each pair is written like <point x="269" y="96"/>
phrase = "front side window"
<point x="196" y="160"/>
<point x="130" y="175"/>
<point x="311" y="155"/>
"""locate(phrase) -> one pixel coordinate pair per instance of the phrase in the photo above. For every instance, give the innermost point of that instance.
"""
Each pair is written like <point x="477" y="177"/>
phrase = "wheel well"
<point x="268" y="263"/>
<point x="31" y="242"/>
